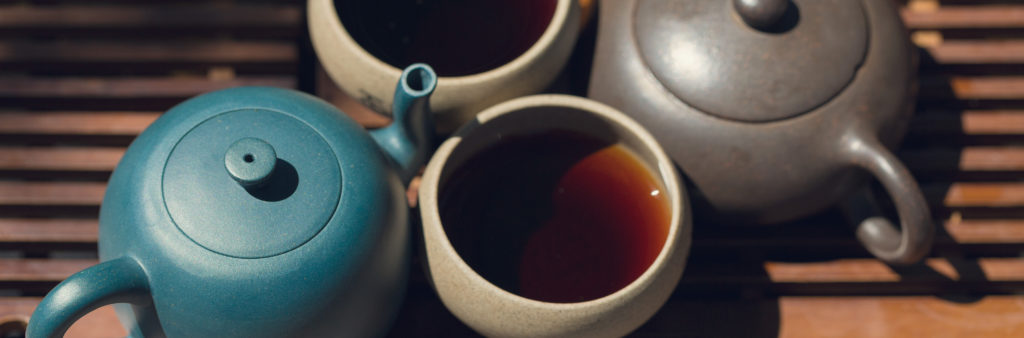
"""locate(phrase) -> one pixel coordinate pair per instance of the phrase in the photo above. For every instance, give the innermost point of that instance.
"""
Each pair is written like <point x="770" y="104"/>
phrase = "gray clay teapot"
<point x="255" y="212"/>
<point x="773" y="109"/>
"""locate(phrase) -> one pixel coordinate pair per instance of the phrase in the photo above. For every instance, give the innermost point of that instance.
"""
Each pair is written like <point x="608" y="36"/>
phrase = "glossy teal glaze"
<point x="273" y="267"/>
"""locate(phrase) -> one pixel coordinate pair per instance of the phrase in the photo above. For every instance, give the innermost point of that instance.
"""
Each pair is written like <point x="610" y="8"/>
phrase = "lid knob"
<point x="250" y="161"/>
<point x="761" y="14"/>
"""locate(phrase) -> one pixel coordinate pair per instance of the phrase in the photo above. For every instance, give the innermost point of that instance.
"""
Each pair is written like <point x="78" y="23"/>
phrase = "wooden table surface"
<point x="79" y="79"/>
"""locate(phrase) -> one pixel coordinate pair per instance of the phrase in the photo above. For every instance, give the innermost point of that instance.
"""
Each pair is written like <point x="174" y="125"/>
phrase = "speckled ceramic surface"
<point x="255" y="212"/>
<point x="492" y="311"/>
<point x="457" y="98"/>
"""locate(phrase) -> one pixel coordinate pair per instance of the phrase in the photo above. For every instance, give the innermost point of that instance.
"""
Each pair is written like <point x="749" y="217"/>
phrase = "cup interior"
<point x="520" y="206"/>
<point x="455" y="37"/>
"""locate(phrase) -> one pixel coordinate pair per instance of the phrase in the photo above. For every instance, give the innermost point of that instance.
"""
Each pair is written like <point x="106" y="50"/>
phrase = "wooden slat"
<point x="106" y="158"/>
<point x="76" y="123"/>
<point x="973" y="87"/>
<point x="838" y="317"/>
<point x="28" y="230"/>
<point x="959" y="194"/>
<point x="49" y="193"/>
<point x="66" y="158"/>
<point x="850" y="270"/>
<point x="205" y="16"/>
<point x="965" y="159"/>
<point x="906" y="316"/>
<point x="985" y="195"/>
<point x="916" y="316"/>
<point x="874" y="271"/>
<point x="127" y="88"/>
<point x="101" y="323"/>
<point x="960" y="17"/>
<point x="978" y="52"/>
<point x="22" y="54"/>
<point x="997" y="231"/>
<point x="992" y="158"/>
<point x="969" y="122"/>
<point x="993" y="88"/>
<point x="41" y="270"/>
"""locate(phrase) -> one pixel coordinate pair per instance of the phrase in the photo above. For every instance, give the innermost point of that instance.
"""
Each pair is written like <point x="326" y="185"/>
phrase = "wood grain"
<point x="123" y="123"/>
<point x="958" y="194"/>
<point x="906" y="316"/>
<point x="840" y="317"/>
<point x="960" y="17"/>
<point x="143" y="17"/>
<point x="920" y="316"/>
<point x="968" y="122"/>
<point x="972" y="87"/>
<point x="60" y="158"/>
<point x="15" y="193"/>
<point x="127" y="87"/>
<point x="985" y="195"/>
<point x="976" y="52"/>
<point x="106" y="158"/>
<point x="847" y="270"/>
<point x="873" y="271"/>
<point x="23" y="54"/>
<point x="978" y="158"/>
<point x="48" y="230"/>
<point x="986" y="231"/>
<point x="41" y="270"/>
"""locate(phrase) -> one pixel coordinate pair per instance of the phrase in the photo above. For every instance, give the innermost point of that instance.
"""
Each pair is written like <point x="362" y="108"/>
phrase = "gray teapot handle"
<point x="878" y="234"/>
<point x="121" y="280"/>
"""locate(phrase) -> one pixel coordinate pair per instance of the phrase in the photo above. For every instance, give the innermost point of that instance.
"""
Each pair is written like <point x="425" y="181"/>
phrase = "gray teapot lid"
<point x="232" y="184"/>
<point x="752" y="60"/>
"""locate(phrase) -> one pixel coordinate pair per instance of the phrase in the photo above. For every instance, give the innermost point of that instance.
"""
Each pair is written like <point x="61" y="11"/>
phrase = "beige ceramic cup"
<point x="371" y="81"/>
<point x="492" y="311"/>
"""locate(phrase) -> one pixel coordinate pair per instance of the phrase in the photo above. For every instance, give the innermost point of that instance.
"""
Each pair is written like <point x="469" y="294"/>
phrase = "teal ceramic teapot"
<point x="255" y="212"/>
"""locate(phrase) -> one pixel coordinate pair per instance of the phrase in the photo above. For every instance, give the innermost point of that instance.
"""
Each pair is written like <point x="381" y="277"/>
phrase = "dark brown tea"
<point x="557" y="217"/>
<point x="455" y="37"/>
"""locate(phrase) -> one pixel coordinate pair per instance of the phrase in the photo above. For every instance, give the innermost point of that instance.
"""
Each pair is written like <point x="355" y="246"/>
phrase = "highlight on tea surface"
<point x="557" y="217"/>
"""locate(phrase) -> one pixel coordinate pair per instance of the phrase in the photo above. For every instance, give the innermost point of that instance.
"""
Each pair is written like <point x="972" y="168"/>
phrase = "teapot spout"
<point x="407" y="139"/>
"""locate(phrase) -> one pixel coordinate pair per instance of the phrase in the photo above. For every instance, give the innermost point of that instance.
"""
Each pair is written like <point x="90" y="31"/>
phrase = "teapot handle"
<point x="878" y="234"/>
<point x="121" y="280"/>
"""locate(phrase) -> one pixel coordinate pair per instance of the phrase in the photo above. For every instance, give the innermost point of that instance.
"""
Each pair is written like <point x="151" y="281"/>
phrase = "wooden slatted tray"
<point x="79" y="79"/>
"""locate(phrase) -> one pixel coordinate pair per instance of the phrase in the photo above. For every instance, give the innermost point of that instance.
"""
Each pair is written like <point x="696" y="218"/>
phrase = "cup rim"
<point x="544" y="42"/>
<point x="665" y="171"/>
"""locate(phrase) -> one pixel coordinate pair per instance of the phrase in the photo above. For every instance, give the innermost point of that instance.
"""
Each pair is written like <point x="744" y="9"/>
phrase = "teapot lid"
<point x="752" y="60"/>
<point x="233" y="185"/>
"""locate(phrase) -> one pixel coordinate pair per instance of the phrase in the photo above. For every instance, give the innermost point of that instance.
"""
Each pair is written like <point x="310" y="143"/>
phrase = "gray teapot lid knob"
<point x="250" y="161"/>
<point x="761" y="14"/>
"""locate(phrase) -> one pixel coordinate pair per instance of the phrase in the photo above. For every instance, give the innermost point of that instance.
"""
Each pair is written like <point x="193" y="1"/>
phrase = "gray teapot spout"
<point x="407" y="139"/>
